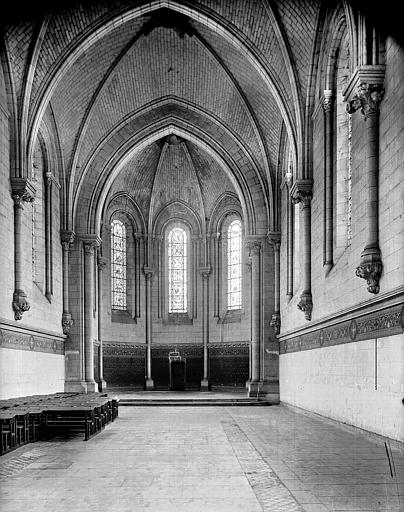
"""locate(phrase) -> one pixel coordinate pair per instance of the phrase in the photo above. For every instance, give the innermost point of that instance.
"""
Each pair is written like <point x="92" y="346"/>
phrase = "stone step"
<point x="191" y="402"/>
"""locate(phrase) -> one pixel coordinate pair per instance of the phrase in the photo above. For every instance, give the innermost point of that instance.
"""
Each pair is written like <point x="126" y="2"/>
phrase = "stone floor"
<point x="210" y="459"/>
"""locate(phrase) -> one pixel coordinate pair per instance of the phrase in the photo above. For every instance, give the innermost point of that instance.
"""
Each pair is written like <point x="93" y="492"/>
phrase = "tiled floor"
<point x="210" y="459"/>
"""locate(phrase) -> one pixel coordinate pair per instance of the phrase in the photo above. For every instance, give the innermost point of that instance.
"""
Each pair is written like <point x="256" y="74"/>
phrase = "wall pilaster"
<point x="205" y="273"/>
<point x="367" y="99"/>
<point x="22" y="192"/>
<point x="302" y="193"/>
<point x="148" y="274"/>
<point x="90" y="243"/>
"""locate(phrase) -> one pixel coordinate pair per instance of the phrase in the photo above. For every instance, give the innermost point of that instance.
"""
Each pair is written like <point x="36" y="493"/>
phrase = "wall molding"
<point x="375" y="304"/>
<point x="388" y="321"/>
<point x="12" y="338"/>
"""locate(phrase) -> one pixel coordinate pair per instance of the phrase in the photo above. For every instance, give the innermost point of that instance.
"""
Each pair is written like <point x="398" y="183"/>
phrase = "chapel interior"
<point x="205" y="196"/>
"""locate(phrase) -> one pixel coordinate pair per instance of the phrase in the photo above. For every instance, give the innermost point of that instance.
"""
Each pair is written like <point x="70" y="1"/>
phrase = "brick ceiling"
<point x="227" y="74"/>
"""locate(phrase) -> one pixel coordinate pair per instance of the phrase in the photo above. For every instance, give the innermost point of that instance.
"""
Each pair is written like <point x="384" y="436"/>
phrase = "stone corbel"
<point x="306" y="305"/>
<point x="67" y="323"/>
<point x="370" y="271"/>
<point x="20" y="304"/>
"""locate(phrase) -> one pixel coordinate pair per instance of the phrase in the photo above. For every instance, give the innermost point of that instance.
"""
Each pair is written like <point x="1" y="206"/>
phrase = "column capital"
<point x="367" y="99"/>
<point x="67" y="238"/>
<point x="148" y="272"/>
<point x="253" y="244"/>
<point x="205" y="272"/>
<point x="102" y="262"/>
<point x="22" y="190"/>
<point x="274" y="238"/>
<point x="301" y="192"/>
<point x="90" y="242"/>
<point x="328" y="100"/>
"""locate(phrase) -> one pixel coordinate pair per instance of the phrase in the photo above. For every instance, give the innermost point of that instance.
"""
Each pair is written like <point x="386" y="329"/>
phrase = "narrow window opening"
<point x="118" y="265"/>
<point x="234" y="266"/>
<point x="177" y="271"/>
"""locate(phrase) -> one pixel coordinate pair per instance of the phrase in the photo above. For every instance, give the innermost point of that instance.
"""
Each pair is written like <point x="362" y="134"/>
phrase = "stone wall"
<point x="357" y="383"/>
<point x="30" y="362"/>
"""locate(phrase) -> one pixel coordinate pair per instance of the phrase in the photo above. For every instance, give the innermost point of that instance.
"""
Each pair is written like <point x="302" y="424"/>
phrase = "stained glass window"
<point x="177" y="271"/>
<point x="234" y="265"/>
<point x="118" y="264"/>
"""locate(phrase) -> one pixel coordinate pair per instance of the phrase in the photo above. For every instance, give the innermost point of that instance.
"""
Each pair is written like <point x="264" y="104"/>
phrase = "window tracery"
<point x="177" y="271"/>
<point x="234" y="266"/>
<point x="118" y="265"/>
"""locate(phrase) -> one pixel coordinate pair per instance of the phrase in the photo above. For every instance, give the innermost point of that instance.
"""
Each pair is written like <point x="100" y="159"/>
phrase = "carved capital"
<point x="306" y="305"/>
<point x="22" y="191"/>
<point x="253" y="245"/>
<point x="301" y="192"/>
<point x="276" y="322"/>
<point x="102" y="262"/>
<point x="67" y="238"/>
<point x="148" y="272"/>
<point x="367" y="99"/>
<point x="20" y="304"/>
<point x="90" y="243"/>
<point x="274" y="238"/>
<point x="67" y="323"/>
<point x="205" y="272"/>
<point x="328" y="101"/>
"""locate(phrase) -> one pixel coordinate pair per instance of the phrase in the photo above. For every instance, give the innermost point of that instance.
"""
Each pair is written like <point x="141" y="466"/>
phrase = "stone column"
<point x="67" y="239"/>
<point x="249" y="265"/>
<point x="254" y="247"/>
<point x="195" y="253"/>
<point x="290" y="228"/>
<point x="205" y="272"/>
<point x="48" y="235"/>
<point x="328" y="107"/>
<point x="275" y="240"/>
<point x="90" y="243"/>
<point x="301" y="193"/>
<point x="138" y="239"/>
<point x="148" y="274"/>
<point x="102" y="263"/>
<point x="22" y="191"/>
<point x="368" y="100"/>
<point x="216" y="274"/>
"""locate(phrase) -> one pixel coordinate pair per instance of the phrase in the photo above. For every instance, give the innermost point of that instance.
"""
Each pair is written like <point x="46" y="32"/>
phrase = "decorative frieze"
<point x="386" y="322"/>
<point x="30" y="342"/>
